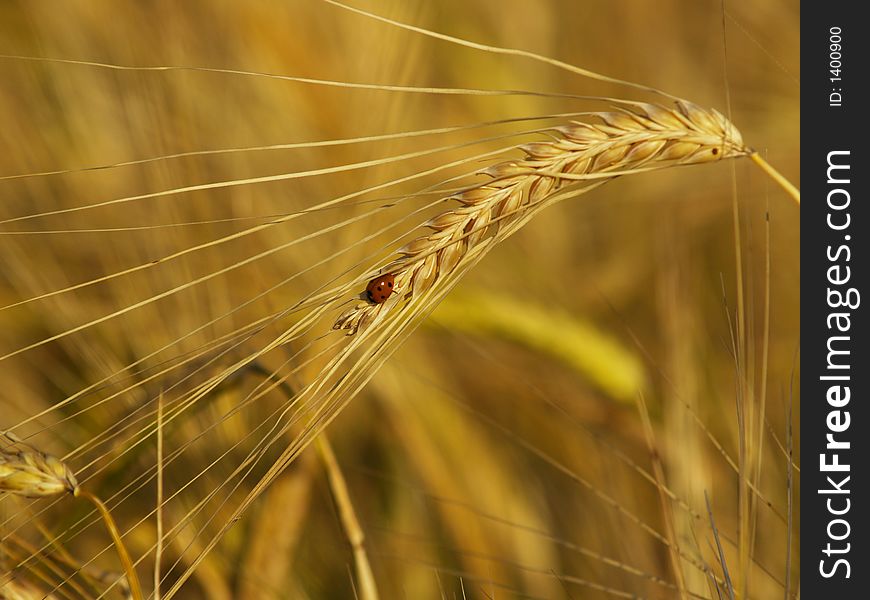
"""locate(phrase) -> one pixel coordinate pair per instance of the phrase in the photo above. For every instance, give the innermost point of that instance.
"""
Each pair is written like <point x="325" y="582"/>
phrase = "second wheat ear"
<point x="27" y="472"/>
<point x="639" y="138"/>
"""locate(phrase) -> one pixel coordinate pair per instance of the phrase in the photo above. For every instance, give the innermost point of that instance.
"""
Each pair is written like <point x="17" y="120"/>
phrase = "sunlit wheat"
<point x="194" y="203"/>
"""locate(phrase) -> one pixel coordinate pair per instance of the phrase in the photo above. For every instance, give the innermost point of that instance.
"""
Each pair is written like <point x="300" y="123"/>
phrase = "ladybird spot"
<point x="380" y="288"/>
<point x="715" y="151"/>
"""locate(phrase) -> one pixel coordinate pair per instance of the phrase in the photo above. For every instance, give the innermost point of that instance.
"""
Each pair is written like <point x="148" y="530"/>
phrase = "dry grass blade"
<point x="719" y="552"/>
<point x="158" y="552"/>
<point x="349" y="521"/>
<point x="667" y="511"/>
<point x="129" y="567"/>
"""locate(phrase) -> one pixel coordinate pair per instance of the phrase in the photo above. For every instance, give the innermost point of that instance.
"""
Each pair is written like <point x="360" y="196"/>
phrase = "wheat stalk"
<point x="644" y="137"/>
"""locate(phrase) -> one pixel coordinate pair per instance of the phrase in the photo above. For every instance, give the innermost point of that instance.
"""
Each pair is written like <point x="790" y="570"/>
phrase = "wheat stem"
<point x="158" y="552"/>
<point x="347" y="516"/>
<point x="135" y="588"/>
<point x="340" y="494"/>
<point x="784" y="183"/>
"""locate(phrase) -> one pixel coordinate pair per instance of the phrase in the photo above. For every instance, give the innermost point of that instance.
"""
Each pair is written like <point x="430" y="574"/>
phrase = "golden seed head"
<point x="32" y="474"/>
<point x="641" y="137"/>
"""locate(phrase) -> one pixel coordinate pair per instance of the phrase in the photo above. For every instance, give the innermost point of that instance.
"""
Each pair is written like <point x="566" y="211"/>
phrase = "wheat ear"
<point x="32" y="474"/>
<point x="637" y="138"/>
<point x="25" y="471"/>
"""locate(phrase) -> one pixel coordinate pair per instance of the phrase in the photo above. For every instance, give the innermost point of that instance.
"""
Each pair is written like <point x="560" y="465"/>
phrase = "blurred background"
<point x="500" y="452"/>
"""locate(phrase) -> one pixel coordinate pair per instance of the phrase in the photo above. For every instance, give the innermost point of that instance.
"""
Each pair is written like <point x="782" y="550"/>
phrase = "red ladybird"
<point x="380" y="288"/>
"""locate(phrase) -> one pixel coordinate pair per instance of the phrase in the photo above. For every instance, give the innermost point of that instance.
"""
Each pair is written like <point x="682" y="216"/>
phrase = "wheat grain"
<point x="647" y="136"/>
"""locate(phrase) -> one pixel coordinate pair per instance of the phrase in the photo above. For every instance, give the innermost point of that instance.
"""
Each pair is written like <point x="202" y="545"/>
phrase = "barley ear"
<point x="635" y="138"/>
<point x="27" y="472"/>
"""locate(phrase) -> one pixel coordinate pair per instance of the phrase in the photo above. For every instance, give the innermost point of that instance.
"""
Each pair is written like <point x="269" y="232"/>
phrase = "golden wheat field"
<point x="579" y="376"/>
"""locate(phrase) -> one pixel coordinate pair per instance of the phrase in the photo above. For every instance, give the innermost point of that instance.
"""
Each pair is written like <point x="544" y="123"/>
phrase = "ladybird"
<point x="380" y="288"/>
